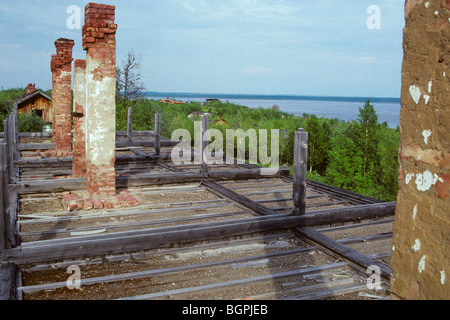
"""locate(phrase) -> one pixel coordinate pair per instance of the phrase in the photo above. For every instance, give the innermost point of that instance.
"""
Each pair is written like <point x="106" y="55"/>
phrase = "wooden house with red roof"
<point x="37" y="101"/>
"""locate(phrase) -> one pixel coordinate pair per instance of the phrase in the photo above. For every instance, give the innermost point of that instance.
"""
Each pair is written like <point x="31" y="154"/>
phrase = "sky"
<point x="273" y="47"/>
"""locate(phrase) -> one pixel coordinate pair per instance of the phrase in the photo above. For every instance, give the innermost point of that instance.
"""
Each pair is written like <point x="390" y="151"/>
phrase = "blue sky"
<point x="295" y="47"/>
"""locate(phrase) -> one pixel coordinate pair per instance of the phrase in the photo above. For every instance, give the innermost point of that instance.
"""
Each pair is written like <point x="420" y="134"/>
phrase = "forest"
<point x="359" y="155"/>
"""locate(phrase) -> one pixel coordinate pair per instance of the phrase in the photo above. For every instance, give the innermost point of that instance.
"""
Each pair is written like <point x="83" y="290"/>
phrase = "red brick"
<point x="108" y="205"/>
<point x="98" y="204"/>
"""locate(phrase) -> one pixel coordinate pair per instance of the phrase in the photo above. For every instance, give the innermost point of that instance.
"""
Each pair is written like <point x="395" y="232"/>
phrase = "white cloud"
<point x="258" y="71"/>
<point x="245" y="10"/>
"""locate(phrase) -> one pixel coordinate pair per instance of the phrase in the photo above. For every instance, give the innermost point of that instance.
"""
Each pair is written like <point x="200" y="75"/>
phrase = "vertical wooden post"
<point x="204" y="143"/>
<point x="157" y="133"/>
<point x="8" y="272"/>
<point x="3" y="194"/>
<point x="10" y="147"/>
<point x="14" y="151"/>
<point x="130" y="124"/>
<point x="300" y="168"/>
<point x="16" y="135"/>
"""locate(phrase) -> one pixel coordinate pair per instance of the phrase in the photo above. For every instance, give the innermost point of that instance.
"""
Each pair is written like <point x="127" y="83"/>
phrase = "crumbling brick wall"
<point x="420" y="259"/>
<point x="61" y="68"/>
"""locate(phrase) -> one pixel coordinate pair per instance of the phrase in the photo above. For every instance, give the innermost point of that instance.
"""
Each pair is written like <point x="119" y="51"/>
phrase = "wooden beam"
<point x="150" y="144"/>
<point x="183" y="177"/>
<point x="36" y="146"/>
<point x="44" y="163"/>
<point x="42" y="186"/>
<point x="34" y="135"/>
<point x="238" y="198"/>
<point x="3" y="194"/>
<point x="49" y="135"/>
<point x="344" y="251"/>
<point x="328" y="292"/>
<point x="119" y="144"/>
<point x="140" y="180"/>
<point x="67" y="162"/>
<point x="135" y="133"/>
<point x="355" y="198"/>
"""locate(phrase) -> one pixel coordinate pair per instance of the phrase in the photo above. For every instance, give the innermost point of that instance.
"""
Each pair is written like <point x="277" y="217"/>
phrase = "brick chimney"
<point x="31" y="88"/>
<point x="61" y="67"/>
<point x="99" y="41"/>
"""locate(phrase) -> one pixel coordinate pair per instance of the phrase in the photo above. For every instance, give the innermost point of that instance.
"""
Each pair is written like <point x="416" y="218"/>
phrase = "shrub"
<point x="30" y="122"/>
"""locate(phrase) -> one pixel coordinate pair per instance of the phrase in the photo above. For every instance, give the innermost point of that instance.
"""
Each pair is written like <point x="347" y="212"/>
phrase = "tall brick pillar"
<point x="61" y="67"/>
<point x="79" y="126"/>
<point x="421" y="243"/>
<point x="100" y="44"/>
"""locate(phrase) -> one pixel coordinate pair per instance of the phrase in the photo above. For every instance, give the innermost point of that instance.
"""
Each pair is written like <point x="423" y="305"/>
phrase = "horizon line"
<point x="269" y="96"/>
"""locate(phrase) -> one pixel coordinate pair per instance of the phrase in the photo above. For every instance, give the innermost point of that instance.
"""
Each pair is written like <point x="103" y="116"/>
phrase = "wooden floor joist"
<point x="344" y="251"/>
<point x="73" y="184"/>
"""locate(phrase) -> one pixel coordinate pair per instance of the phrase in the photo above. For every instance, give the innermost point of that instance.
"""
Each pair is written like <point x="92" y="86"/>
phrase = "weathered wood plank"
<point x="130" y="124"/>
<point x="11" y="225"/>
<point x="41" y="186"/>
<point x="157" y="133"/>
<point x="36" y="146"/>
<point x="3" y="194"/>
<point x="328" y="293"/>
<point x="344" y="251"/>
<point x="150" y="144"/>
<point x="119" y="144"/>
<point x="44" y="163"/>
<point x="204" y="126"/>
<point x="135" y="133"/>
<point x="8" y="281"/>
<point x="342" y="193"/>
<point x="10" y="147"/>
<point x="300" y="168"/>
<point x="238" y="198"/>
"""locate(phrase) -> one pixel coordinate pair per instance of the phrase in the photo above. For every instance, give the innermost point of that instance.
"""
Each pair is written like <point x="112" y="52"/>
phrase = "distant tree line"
<point x="359" y="155"/>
